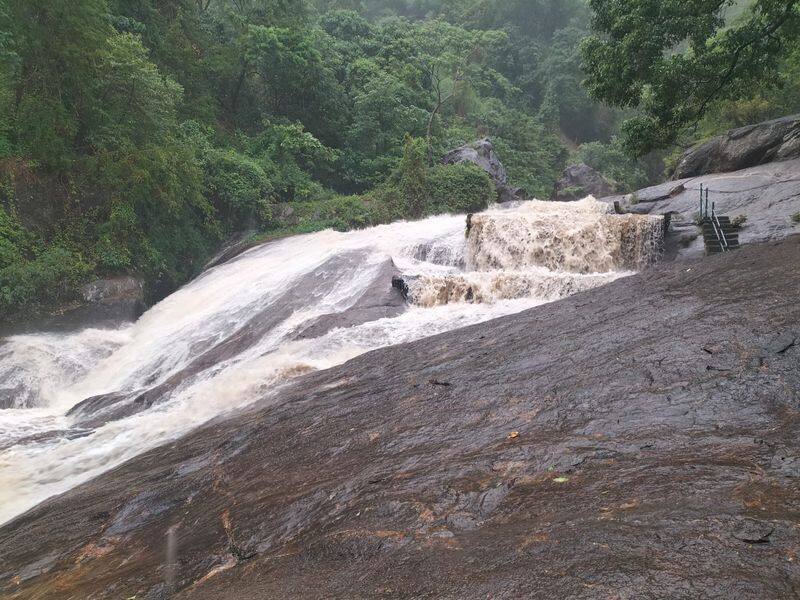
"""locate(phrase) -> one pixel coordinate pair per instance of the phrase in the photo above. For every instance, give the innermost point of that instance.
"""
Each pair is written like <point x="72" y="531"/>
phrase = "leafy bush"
<point x="12" y="239"/>
<point x="238" y="188"/>
<point x="413" y="190"/>
<point x="739" y="221"/>
<point x="461" y="188"/>
<point x="53" y="276"/>
<point x="341" y="213"/>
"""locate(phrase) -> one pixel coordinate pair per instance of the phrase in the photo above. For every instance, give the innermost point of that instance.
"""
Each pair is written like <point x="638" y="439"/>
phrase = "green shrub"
<point x="238" y="187"/>
<point x="796" y="217"/>
<point x="461" y="188"/>
<point x="12" y="239"/>
<point x="739" y="221"/>
<point x="341" y="213"/>
<point x="413" y="190"/>
<point x="28" y="285"/>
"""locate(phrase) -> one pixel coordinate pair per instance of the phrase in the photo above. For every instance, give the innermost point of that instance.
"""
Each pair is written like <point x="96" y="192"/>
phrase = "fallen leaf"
<point x="513" y="435"/>
<point x="561" y="479"/>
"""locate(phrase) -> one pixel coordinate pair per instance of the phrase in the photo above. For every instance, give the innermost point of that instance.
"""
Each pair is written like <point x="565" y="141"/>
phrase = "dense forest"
<point x="136" y="135"/>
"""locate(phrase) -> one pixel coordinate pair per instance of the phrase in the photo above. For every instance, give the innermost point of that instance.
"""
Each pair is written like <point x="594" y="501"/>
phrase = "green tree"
<point x="59" y="43"/>
<point x="676" y="59"/>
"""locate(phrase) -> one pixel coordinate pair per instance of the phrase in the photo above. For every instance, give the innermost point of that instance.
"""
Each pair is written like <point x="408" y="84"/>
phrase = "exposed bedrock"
<point x="638" y="440"/>
<point x="748" y="146"/>
<point x="233" y="247"/>
<point x="100" y="303"/>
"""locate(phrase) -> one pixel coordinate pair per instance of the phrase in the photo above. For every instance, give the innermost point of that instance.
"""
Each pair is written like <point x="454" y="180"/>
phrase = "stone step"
<point x="723" y="228"/>
<point x="713" y="249"/>
<point x="728" y="238"/>
<point x="714" y="239"/>
<point x="722" y="224"/>
<point x="727" y="234"/>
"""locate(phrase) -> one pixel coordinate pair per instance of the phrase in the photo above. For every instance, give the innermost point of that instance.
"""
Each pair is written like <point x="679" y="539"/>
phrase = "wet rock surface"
<point x="635" y="441"/>
<point x="102" y="303"/>
<point x="767" y="195"/>
<point x="233" y="247"/>
<point x="744" y="147"/>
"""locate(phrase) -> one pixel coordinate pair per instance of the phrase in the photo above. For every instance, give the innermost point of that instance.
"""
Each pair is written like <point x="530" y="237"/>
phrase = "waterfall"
<point x="544" y="250"/>
<point x="73" y="405"/>
<point x="578" y="237"/>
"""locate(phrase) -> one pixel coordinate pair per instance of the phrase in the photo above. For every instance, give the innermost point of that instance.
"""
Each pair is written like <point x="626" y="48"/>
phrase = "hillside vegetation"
<point x="136" y="135"/>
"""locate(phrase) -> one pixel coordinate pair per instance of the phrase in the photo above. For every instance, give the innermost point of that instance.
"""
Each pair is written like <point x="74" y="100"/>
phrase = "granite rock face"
<point x="101" y="303"/>
<point x="738" y="149"/>
<point x="637" y="441"/>
<point x="118" y="289"/>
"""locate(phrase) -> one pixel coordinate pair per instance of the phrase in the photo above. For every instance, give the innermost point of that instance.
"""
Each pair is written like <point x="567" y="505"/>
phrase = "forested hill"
<point x="135" y="135"/>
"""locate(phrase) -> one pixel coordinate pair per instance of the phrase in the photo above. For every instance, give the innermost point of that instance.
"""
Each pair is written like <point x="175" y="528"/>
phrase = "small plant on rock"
<point x="796" y="218"/>
<point x="739" y="221"/>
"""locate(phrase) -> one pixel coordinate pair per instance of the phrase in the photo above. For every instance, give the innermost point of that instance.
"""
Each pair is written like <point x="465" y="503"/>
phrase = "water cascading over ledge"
<point x="542" y="249"/>
<point x="578" y="237"/>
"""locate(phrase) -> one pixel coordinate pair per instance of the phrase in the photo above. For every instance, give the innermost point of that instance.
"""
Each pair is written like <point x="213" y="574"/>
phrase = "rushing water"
<point x="244" y="328"/>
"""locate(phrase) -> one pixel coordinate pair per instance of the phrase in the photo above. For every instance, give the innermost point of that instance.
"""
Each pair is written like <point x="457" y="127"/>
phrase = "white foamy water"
<point x="240" y="331"/>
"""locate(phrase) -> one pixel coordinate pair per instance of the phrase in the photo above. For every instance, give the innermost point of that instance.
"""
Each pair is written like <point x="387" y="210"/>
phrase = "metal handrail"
<point x="713" y="218"/>
<point x="723" y="241"/>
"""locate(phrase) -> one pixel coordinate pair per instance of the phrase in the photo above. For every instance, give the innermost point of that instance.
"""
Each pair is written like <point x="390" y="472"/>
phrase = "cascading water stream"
<point x="81" y="403"/>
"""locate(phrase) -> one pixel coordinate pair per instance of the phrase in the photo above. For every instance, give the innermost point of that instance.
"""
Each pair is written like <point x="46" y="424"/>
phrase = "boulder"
<point x="482" y="154"/>
<point x="579" y="181"/>
<point x="101" y="303"/>
<point x="117" y="289"/>
<point x="745" y="147"/>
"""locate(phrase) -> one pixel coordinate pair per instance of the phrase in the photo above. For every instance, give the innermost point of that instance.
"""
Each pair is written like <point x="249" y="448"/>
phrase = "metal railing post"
<point x="701" y="202"/>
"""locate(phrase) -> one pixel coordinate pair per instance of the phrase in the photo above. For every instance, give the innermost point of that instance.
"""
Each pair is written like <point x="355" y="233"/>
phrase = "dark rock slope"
<point x="635" y="441"/>
<point x="100" y="303"/>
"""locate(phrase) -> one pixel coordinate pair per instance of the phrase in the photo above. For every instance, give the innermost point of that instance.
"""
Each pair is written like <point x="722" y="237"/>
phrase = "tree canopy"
<point x="677" y="60"/>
